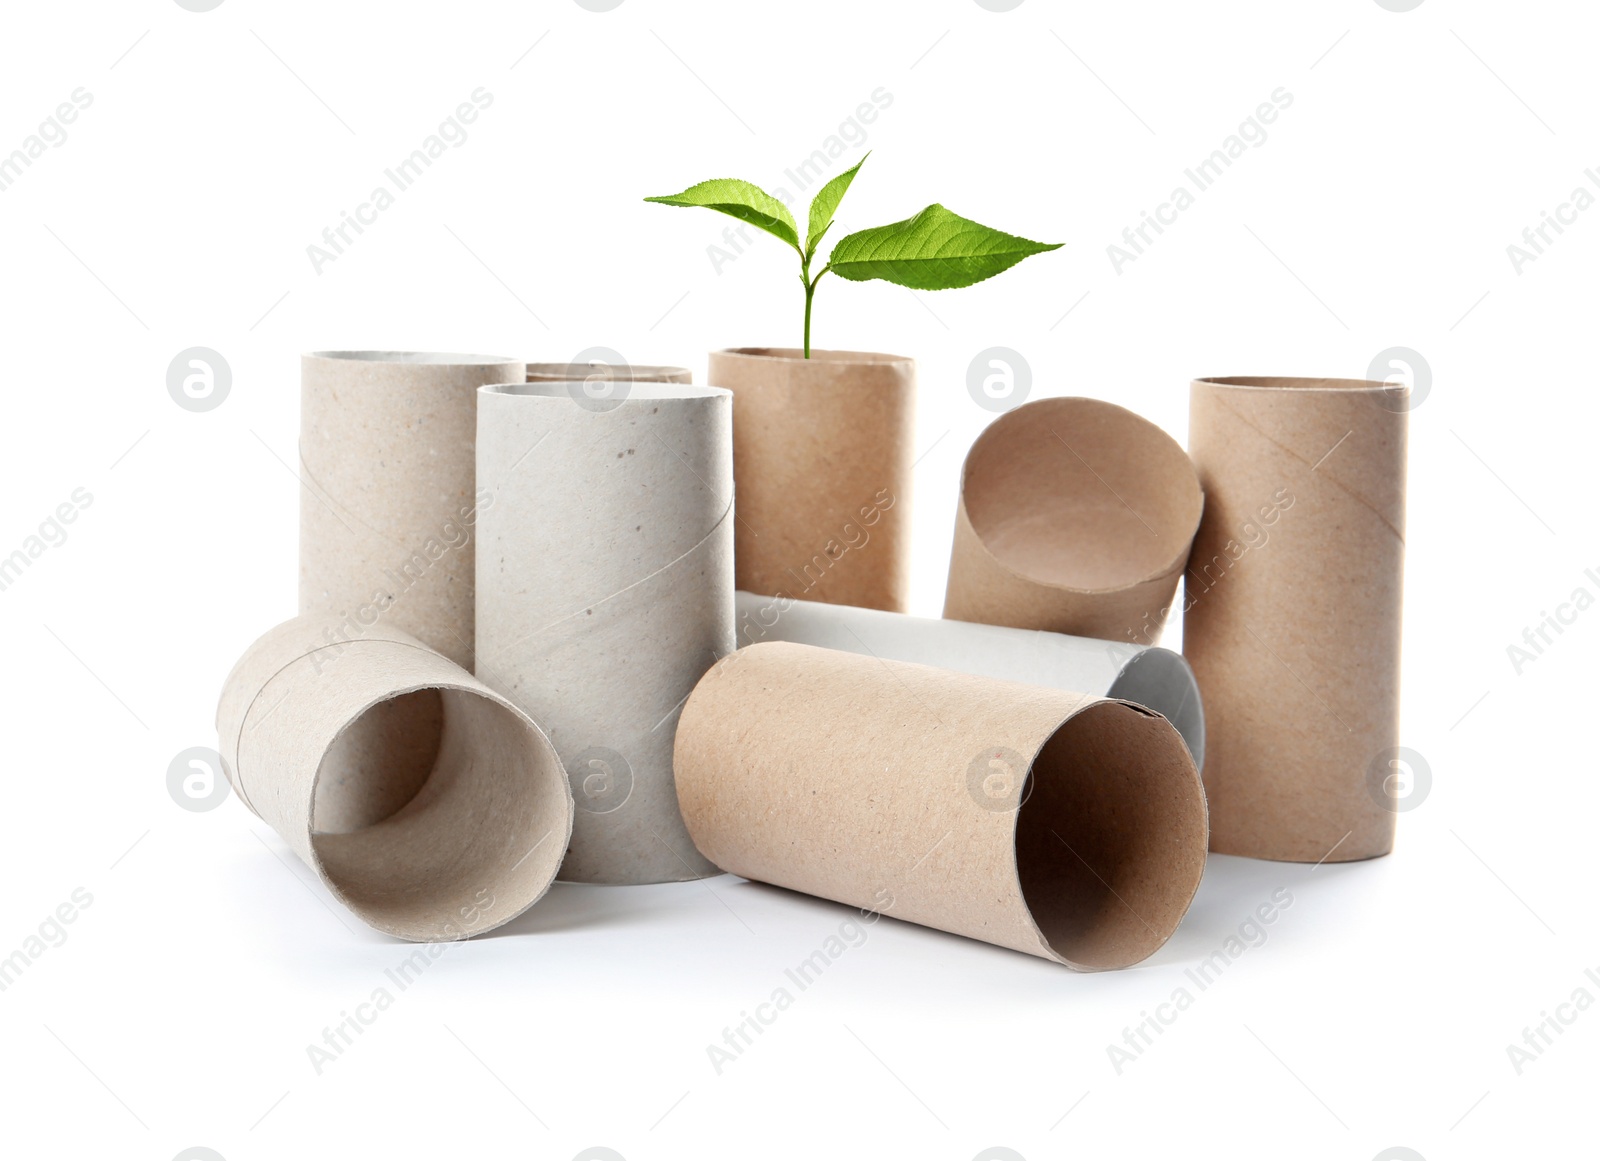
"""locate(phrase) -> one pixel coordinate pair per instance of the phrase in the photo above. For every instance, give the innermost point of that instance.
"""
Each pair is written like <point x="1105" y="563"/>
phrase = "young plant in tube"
<point x="934" y="249"/>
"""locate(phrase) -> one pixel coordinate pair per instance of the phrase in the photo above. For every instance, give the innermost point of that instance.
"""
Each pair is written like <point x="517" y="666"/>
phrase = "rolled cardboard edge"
<point x="478" y="843"/>
<point x="1032" y="512"/>
<point x="1090" y="860"/>
<point x="1322" y="599"/>
<point x="1090" y="929"/>
<point x="1147" y="675"/>
<point x="823" y="455"/>
<point x="623" y="372"/>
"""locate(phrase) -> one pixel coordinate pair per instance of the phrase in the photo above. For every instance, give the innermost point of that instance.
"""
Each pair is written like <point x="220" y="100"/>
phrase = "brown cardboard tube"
<point x="822" y="455"/>
<point x="1292" y="619"/>
<point x="386" y="515"/>
<point x="1075" y="516"/>
<point x="480" y="839"/>
<point x="621" y="372"/>
<point x="1067" y="827"/>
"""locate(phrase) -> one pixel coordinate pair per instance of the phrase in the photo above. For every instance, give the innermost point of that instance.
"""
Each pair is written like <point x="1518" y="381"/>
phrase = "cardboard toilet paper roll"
<point x="605" y="590"/>
<point x="1293" y="611"/>
<point x="1075" y="516"/>
<point x="1147" y="675"/>
<point x="387" y="510"/>
<point x="619" y="372"/>
<point x="481" y="838"/>
<point x="386" y="448"/>
<point x="822" y="459"/>
<point x="1067" y="827"/>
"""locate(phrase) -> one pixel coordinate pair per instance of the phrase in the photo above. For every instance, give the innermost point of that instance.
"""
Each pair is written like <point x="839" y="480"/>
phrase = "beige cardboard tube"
<point x="822" y="460"/>
<point x="1293" y="600"/>
<point x="1076" y="516"/>
<point x="481" y="838"/>
<point x="619" y="372"/>
<point x="386" y="513"/>
<point x="1067" y="827"/>
<point x="606" y="590"/>
<point x="1146" y="675"/>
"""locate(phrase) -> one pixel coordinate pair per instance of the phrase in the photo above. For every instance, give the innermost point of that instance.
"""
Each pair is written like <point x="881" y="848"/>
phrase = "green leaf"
<point x="826" y="203"/>
<point x="739" y="199"/>
<point x="934" y="250"/>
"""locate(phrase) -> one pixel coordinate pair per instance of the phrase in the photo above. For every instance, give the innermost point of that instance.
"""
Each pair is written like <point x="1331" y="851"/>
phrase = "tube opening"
<point x="817" y="356"/>
<point x="571" y="389"/>
<point x="377" y="763"/>
<point x="1111" y="836"/>
<point x="479" y="841"/>
<point x="431" y="358"/>
<point x="1283" y="383"/>
<point x="624" y="372"/>
<point x="1161" y="680"/>
<point x="1081" y="494"/>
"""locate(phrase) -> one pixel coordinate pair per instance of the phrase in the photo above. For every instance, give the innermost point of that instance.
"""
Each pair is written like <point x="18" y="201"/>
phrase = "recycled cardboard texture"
<point x="822" y="453"/>
<point x="1067" y="827"/>
<point x="1076" y="516"/>
<point x="481" y="838"/>
<point x="386" y="515"/>
<point x="577" y="372"/>
<point x="606" y="590"/>
<point x="1293" y="619"/>
<point x="1150" y="676"/>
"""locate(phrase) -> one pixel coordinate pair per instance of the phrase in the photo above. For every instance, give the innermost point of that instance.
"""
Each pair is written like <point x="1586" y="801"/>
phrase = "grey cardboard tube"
<point x="605" y="569"/>
<point x="1147" y="675"/>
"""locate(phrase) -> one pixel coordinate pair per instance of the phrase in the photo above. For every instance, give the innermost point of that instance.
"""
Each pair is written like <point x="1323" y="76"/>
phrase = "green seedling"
<point x="932" y="250"/>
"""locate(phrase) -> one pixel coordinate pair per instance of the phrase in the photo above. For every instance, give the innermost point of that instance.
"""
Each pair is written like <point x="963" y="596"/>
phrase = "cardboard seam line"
<point x="322" y="493"/>
<point x="1292" y="454"/>
<point x="671" y="564"/>
<point x="244" y="718"/>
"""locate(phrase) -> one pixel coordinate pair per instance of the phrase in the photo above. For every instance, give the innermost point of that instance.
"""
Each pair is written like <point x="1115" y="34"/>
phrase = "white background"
<point x="1378" y="1011"/>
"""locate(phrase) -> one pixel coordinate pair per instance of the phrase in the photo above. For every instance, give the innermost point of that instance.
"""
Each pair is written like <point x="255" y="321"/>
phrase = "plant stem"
<point x="810" y="284"/>
<point x="811" y="289"/>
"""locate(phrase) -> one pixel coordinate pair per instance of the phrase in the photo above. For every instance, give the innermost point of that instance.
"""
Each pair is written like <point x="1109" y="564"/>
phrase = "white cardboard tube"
<point x="481" y="838"/>
<point x="605" y="567"/>
<point x="1146" y="675"/>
